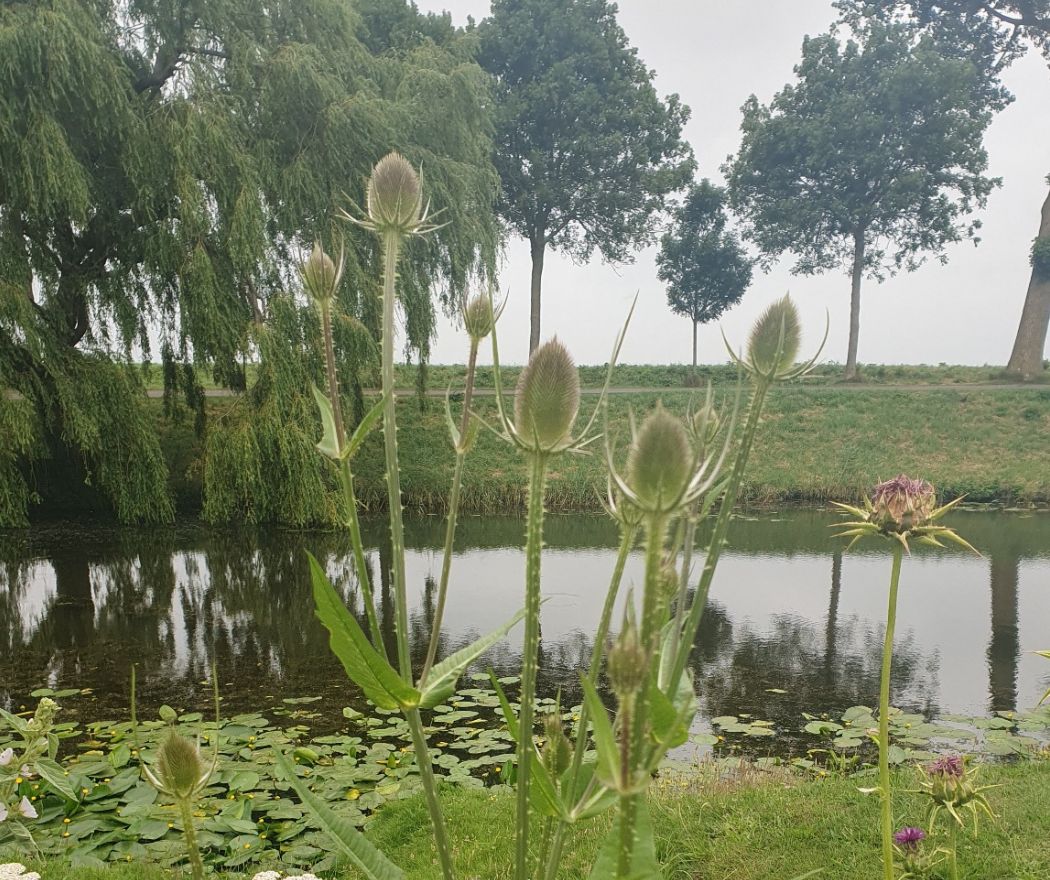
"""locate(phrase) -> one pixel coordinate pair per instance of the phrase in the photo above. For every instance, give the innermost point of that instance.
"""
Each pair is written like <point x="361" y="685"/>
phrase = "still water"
<point x="792" y="625"/>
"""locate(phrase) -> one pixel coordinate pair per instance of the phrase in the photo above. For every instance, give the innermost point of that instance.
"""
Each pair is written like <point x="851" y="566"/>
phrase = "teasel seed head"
<point x="547" y="398"/>
<point x="179" y="765"/>
<point x="659" y="461"/>
<point x="774" y="341"/>
<point x="320" y="275"/>
<point x="395" y="196"/>
<point x="557" y="750"/>
<point x="478" y="317"/>
<point x="627" y="662"/>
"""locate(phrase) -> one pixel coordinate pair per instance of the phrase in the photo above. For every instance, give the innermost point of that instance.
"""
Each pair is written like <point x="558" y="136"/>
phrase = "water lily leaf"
<point x="441" y="683"/>
<point x="365" y="666"/>
<point x="358" y="848"/>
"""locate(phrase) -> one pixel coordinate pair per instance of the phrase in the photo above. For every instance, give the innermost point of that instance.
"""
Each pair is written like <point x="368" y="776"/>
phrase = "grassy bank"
<point x="754" y="828"/>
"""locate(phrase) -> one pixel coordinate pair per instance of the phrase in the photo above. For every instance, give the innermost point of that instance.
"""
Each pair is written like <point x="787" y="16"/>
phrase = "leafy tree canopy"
<point x="702" y="262"/>
<point x="162" y="164"/>
<point x="586" y="150"/>
<point x="872" y="159"/>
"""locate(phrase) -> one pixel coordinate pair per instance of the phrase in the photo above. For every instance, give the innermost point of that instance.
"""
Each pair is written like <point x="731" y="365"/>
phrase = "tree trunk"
<point x="1004" y="649"/>
<point x="854" y="303"/>
<point x="1026" y="360"/>
<point x="694" y="348"/>
<point x="539" y="245"/>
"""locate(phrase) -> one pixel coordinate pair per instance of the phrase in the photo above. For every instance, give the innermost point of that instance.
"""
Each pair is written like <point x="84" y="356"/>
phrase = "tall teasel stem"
<point x="530" y="654"/>
<point x="346" y="480"/>
<point x="718" y="534"/>
<point x="885" y="791"/>
<point x="190" y="835"/>
<point x="453" y="514"/>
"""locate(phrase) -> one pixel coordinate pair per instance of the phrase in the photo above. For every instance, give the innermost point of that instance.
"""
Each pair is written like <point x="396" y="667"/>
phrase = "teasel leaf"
<point x="441" y="682"/>
<point x="366" y="667"/>
<point x="608" y="767"/>
<point x="364" y="855"/>
<point x="365" y="427"/>
<point x="450" y="423"/>
<point x="328" y="445"/>
<point x="644" y="864"/>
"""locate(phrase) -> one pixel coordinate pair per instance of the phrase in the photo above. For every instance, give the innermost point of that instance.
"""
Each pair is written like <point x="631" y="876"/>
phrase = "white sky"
<point x="714" y="54"/>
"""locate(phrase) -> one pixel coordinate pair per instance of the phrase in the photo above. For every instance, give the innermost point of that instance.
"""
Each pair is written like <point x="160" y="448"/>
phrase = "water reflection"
<point x="792" y="625"/>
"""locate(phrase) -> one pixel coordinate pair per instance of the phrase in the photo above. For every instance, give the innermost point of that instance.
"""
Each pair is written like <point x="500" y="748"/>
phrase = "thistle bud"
<point x="395" y="197"/>
<point x="659" y="463"/>
<point x="478" y="317"/>
<point x="626" y="665"/>
<point x="547" y="398"/>
<point x="774" y="341"/>
<point x="179" y="765"/>
<point x="557" y="751"/>
<point x="902" y="503"/>
<point x="320" y="275"/>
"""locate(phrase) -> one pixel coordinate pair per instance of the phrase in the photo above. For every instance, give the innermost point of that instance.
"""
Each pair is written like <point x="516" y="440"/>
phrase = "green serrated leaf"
<point x="441" y="683"/>
<point x="358" y="848"/>
<point x="328" y="445"/>
<point x="55" y="777"/>
<point x="365" y="666"/>
<point x="365" y="427"/>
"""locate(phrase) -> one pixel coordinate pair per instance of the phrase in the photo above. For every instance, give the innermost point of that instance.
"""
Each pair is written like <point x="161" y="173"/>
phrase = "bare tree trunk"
<point x="1004" y="649"/>
<point x="694" y="347"/>
<point x="1026" y="359"/>
<point x="539" y="245"/>
<point x="854" y="303"/>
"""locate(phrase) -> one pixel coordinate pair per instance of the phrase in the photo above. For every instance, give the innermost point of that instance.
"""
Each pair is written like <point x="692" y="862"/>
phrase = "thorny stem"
<point x="533" y="551"/>
<point x="346" y="481"/>
<point x="391" y="248"/>
<point x="627" y="534"/>
<point x="453" y="516"/>
<point x="426" y="773"/>
<point x="628" y="802"/>
<point x="688" y="541"/>
<point x="714" y="550"/>
<point x="186" y="813"/>
<point x="884" y="720"/>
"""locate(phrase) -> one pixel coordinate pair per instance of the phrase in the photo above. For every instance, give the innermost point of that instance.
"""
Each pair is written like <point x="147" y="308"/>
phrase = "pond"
<point x="793" y="624"/>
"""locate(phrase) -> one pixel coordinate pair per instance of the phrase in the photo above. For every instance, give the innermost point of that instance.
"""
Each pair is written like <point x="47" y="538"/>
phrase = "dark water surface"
<point x="788" y="612"/>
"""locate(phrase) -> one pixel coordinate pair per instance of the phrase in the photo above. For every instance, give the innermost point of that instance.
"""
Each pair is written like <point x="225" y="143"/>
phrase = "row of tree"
<point x="162" y="165"/>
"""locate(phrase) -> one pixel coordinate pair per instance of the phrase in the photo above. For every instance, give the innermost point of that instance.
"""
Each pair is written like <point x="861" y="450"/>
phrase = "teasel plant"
<point x="394" y="211"/>
<point x="180" y="772"/>
<point x="900" y="511"/>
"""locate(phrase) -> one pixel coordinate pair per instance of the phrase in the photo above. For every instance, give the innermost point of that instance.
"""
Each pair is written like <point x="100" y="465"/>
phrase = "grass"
<point x="756" y="827"/>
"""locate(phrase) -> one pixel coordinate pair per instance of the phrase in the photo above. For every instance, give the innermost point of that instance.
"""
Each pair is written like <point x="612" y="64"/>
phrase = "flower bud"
<point x="547" y="398"/>
<point x="320" y="275"/>
<point x="902" y="503"/>
<point x="395" y="197"/>
<point x="660" y="460"/>
<point x="774" y="341"/>
<point x="626" y="665"/>
<point x="478" y="318"/>
<point x="179" y="765"/>
<point x="704" y="426"/>
<point x="557" y="750"/>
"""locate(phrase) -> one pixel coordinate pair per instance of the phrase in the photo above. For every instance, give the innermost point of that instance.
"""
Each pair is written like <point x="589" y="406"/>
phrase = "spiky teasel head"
<point x="321" y="274"/>
<point x="627" y="663"/>
<point x="660" y="461"/>
<point x="557" y="750"/>
<point x="901" y="509"/>
<point x="773" y="344"/>
<point x="547" y="399"/>
<point x="703" y="425"/>
<point x="394" y="199"/>
<point x="479" y="317"/>
<point x="179" y="771"/>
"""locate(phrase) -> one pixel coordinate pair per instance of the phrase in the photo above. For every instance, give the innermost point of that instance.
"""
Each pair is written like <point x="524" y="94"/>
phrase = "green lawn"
<point x="761" y="828"/>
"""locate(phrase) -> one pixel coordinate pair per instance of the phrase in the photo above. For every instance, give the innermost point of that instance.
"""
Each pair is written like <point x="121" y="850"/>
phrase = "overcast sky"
<point x="714" y="54"/>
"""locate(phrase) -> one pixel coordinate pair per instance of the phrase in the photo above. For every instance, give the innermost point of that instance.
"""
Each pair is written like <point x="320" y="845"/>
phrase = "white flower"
<point x="26" y="772"/>
<point x="267" y="875"/>
<point x="27" y="810"/>
<point x="6" y="757"/>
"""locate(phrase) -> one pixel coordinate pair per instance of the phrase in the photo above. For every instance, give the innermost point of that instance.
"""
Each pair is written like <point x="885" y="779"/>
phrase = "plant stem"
<point x="391" y="248"/>
<point x="453" y="516"/>
<point x="426" y="773"/>
<point x="533" y="551"/>
<point x="688" y="540"/>
<point x="953" y="864"/>
<point x="346" y="480"/>
<point x="714" y="550"/>
<point x="628" y="802"/>
<point x="884" y="720"/>
<point x="196" y="865"/>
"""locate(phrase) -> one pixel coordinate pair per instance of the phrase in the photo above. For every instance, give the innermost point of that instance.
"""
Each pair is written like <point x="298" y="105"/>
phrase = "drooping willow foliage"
<point x="161" y="166"/>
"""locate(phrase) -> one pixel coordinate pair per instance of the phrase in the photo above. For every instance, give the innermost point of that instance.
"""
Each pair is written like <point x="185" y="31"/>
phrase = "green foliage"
<point x="1041" y="258"/>
<point x="705" y="267"/>
<point x="231" y="134"/>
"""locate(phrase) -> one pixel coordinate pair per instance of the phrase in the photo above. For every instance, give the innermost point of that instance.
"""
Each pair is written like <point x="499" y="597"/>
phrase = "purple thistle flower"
<point x="947" y="765"/>
<point x="909" y="838"/>
<point x="902" y="502"/>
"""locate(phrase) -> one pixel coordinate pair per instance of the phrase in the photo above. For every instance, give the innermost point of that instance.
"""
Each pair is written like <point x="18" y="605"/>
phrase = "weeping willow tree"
<point x="162" y="165"/>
